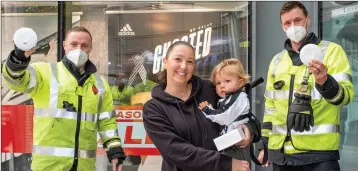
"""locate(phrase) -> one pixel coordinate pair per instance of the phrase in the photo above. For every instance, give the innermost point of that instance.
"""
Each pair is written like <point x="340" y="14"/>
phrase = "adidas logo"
<point x="126" y="30"/>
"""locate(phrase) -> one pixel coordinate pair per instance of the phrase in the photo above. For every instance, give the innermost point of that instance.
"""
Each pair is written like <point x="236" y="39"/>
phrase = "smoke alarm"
<point x="25" y="38"/>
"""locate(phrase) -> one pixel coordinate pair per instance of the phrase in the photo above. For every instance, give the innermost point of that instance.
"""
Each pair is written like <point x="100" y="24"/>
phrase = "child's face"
<point x="227" y="83"/>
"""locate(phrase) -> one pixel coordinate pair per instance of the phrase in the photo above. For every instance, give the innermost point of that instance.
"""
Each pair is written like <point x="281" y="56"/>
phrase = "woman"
<point x="173" y="122"/>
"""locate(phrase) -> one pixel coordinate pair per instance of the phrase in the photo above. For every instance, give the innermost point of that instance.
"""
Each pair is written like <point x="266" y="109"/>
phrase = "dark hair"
<point x="288" y="6"/>
<point x="120" y="85"/>
<point x="78" y="29"/>
<point x="162" y="75"/>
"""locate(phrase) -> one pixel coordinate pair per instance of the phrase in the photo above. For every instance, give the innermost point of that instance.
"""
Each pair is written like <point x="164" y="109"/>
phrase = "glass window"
<point x="130" y="39"/>
<point x="17" y="110"/>
<point x="340" y="25"/>
<point x="129" y="42"/>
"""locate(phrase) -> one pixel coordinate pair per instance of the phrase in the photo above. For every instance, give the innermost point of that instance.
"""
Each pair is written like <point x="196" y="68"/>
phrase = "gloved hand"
<point x="20" y="54"/>
<point x="300" y="116"/>
<point x="23" y="56"/>
<point x="116" y="153"/>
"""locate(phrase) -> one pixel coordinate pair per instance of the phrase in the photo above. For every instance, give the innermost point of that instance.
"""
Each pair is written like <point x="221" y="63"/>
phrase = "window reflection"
<point x="129" y="41"/>
<point x="340" y="24"/>
<point x="132" y="38"/>
<point x="16" y="117"/>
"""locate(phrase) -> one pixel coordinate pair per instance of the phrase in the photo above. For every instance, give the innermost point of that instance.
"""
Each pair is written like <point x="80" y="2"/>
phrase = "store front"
<point x="129" y="42"/>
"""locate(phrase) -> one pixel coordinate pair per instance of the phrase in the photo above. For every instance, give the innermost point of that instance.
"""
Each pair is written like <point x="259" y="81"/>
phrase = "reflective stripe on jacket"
<point x="325" y="133"/>
<point x="54" y="136"/>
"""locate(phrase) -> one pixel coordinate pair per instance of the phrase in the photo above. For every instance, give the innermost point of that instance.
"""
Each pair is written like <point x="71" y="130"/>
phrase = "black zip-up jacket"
<point x="181" y="133"/>
<point x="184" y="136"/>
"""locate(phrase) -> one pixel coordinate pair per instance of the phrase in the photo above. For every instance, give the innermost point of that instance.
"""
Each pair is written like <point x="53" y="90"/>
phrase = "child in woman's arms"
<point x="230" y="79"/>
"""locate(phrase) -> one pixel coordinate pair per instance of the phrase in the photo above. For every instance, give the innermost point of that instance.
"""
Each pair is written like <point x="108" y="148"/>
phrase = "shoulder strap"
<point x="248" y="92"/>
<point x="248" y="88"/>
<point x="253" y="157"/>
<point x="277" y="61"/>
<point x="101" y="90"/>
<point x="324" y="45"/>
<point x="54" y="86"/>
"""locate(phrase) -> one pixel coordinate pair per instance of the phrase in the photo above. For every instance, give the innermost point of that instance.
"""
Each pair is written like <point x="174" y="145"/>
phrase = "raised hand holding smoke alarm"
<point x="24" y="39"/>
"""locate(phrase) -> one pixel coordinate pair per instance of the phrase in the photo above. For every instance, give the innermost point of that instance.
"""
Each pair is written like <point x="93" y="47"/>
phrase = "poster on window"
<point x="138" y="43"/>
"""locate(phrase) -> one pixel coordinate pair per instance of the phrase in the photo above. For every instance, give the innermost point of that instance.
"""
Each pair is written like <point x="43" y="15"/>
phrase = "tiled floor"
<point x="152" y="163"/>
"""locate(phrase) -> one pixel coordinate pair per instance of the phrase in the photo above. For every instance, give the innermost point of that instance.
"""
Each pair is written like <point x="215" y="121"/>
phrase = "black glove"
<point x="300" y="115"/>
<point x="68" y="106"/>
<point x="116" y="153"/>
<point x="20" y="55"/>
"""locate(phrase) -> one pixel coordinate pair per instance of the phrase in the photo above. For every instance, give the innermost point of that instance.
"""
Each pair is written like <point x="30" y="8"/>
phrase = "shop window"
<point x="129" y="42"/>
<point x="17" y="111"/>
<point x="340" y="25"/>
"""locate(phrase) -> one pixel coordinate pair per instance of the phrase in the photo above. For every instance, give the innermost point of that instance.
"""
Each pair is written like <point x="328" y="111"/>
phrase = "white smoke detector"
<point x="310" y="52"/>
<point x="25" y="38"/>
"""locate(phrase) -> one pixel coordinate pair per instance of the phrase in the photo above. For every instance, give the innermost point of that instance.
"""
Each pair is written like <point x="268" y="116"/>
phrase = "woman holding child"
<point x="177" y="127"/>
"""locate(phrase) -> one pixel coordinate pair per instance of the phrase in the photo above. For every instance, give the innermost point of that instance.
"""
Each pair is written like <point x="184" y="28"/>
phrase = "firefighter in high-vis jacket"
<point x="303" y="103"/>
<point x="72" y="103"/>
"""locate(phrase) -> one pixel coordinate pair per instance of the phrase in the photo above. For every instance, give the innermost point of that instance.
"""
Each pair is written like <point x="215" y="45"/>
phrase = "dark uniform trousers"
<point x="321" y="166"/>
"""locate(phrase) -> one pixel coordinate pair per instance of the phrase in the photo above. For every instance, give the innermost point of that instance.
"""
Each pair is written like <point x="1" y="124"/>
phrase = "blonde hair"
<point x="230" y="66"/>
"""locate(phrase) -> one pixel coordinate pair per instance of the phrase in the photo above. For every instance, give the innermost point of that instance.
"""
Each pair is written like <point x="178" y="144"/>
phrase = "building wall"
<point x="96" y="22"/>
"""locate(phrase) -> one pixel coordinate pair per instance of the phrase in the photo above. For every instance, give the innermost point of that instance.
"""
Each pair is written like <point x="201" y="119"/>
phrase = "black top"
<point x="182" y="134"/>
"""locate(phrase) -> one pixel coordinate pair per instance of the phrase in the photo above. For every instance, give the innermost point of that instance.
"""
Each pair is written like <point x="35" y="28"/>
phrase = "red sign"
<point x="17" y="127"/>
<point x="135" y="140"/>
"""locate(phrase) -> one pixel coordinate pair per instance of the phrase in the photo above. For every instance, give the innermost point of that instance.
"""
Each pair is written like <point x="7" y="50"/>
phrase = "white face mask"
<point x="77" y="57"/>
<point x="296" y="33"/>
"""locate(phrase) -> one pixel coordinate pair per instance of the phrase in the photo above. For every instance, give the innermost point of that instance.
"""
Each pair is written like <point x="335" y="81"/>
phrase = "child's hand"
<point x="203" y="104"/>
<point x="244" y="143"/>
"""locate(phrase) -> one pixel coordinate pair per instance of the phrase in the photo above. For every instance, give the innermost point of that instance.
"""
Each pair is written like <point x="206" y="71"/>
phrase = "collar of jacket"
<point x="295" y="57"/>
<point x="90" y="68"/>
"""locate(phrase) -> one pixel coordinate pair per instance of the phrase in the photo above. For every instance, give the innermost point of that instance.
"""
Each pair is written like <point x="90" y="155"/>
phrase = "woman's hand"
<point x="248" y="137"/>
<point x="240" y="165"/>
